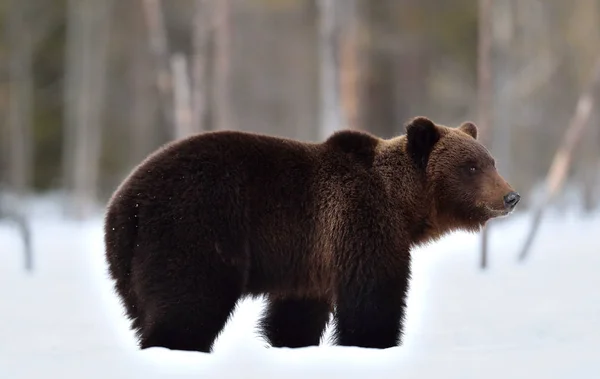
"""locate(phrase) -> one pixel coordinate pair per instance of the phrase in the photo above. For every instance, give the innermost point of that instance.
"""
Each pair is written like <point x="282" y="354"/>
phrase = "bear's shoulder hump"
<point x="353" y="142"/>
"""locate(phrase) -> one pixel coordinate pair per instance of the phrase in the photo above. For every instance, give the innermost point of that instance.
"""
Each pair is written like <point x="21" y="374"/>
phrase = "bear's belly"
<point x="288" y="272"/>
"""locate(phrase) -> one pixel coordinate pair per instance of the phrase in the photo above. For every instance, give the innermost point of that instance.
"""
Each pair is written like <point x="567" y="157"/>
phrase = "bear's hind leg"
<point x="190" y="327"/>
<point x="186" y="308"/>
<point x="295" y="322"/>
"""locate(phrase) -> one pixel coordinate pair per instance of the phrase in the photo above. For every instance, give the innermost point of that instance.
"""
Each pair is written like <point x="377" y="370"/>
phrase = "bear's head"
<point x="461" y="179"/>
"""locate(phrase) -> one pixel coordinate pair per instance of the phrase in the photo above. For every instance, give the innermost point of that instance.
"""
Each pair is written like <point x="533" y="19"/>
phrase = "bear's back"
<point x="206" y="170"/>
<point x="263" y="172"/>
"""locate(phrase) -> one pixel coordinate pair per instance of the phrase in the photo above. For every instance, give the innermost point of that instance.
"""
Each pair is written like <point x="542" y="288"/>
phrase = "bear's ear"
<point x="422" y="134"/>
<point x="469" y="128"/>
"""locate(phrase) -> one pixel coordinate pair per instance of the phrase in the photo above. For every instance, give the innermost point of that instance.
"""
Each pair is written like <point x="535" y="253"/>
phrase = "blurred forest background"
<point x="90" y="87"/>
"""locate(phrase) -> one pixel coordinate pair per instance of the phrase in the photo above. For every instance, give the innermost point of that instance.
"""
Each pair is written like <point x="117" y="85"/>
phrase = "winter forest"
<point x="90" y="87"/>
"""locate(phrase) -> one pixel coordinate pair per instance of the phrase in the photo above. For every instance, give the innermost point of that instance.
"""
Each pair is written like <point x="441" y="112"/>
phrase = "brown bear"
<point x="317" y="228"/>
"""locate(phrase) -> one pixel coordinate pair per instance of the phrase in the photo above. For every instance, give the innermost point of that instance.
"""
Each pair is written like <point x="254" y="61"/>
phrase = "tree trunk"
<point x="484" y="93"/>
<point x="590" y="161"/>
<point x="73" y="51"/>
<point x="222" y="66"/>
<point x="19" y="143"/>
<point x="182" y="98"/>
<point x="377" y="112"/>
<point x="20" y="107"/>
<point x="143" y="121"/>
<point x="329" y="93"/>
<point x="157" y="38"/>
<point x="200" y="40"/>
<point x="349" y="66"/>
<point x="87" y="96"/>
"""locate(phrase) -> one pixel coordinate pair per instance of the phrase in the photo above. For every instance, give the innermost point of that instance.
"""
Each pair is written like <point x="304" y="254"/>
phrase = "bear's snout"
<point x="511" y="200"/>
<point x="497" y="196"/>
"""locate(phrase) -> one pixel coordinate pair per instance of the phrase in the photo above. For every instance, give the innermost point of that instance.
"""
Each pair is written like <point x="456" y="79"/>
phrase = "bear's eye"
<point x="470" y="168"/>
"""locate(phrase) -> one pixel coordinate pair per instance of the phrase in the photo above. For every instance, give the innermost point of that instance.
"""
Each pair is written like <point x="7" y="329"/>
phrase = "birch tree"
<point x="159" y="48"/>
<point x="349" y="65"/>
<point x="20" y="107"/>
<point x="484" y="92"/>
<point x="87" y="48"/>
<point x="181" y="96"/>
<point x="201" y="31"/>
<point x="223" y="115"/>
<point x="328" y="69"/>
<point x="141" y="74"/>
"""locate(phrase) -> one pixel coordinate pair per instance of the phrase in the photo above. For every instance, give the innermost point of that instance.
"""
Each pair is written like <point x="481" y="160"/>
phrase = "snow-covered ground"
<point x="538" y="319"/>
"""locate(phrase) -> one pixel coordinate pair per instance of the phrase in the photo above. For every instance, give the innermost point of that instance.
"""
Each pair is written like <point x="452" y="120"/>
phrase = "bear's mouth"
<point x="498" y="212"/>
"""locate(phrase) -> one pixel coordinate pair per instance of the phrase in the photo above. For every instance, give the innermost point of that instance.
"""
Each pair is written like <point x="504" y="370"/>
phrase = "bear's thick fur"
<point x="317" y="228"/>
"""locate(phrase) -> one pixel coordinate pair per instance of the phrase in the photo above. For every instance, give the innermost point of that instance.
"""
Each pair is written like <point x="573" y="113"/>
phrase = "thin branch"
<point x="562" y="159"/>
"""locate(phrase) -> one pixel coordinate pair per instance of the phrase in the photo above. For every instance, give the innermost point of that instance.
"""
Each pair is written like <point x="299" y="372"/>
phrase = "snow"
<point x="540" y="318"/>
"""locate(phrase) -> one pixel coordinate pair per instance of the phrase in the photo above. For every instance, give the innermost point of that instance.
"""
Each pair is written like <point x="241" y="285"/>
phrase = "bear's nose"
<point x="511" y="199"/>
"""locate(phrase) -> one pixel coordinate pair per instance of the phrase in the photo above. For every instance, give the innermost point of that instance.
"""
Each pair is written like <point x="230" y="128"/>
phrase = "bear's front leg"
<point x="370" y="309"/>
<point x="295" y="322"/>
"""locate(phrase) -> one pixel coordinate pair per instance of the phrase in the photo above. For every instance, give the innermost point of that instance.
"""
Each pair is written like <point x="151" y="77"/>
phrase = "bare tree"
<point x="73" y="51"/>
<point x="20" y="107"/>
<point x="381" y="104"/>
<point x="349" y="66"/>
<point x="222" y="65"/>
<point x="330" y="104"/>
<point x="562" y="159"/>
<point x="143" y="131"/>
<point x="158" y="42"/>
<point x="201" y="31"/>
<point x="182" y="97"/>
<point x="89" y="23"/>
<point x="484" y="93"/>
